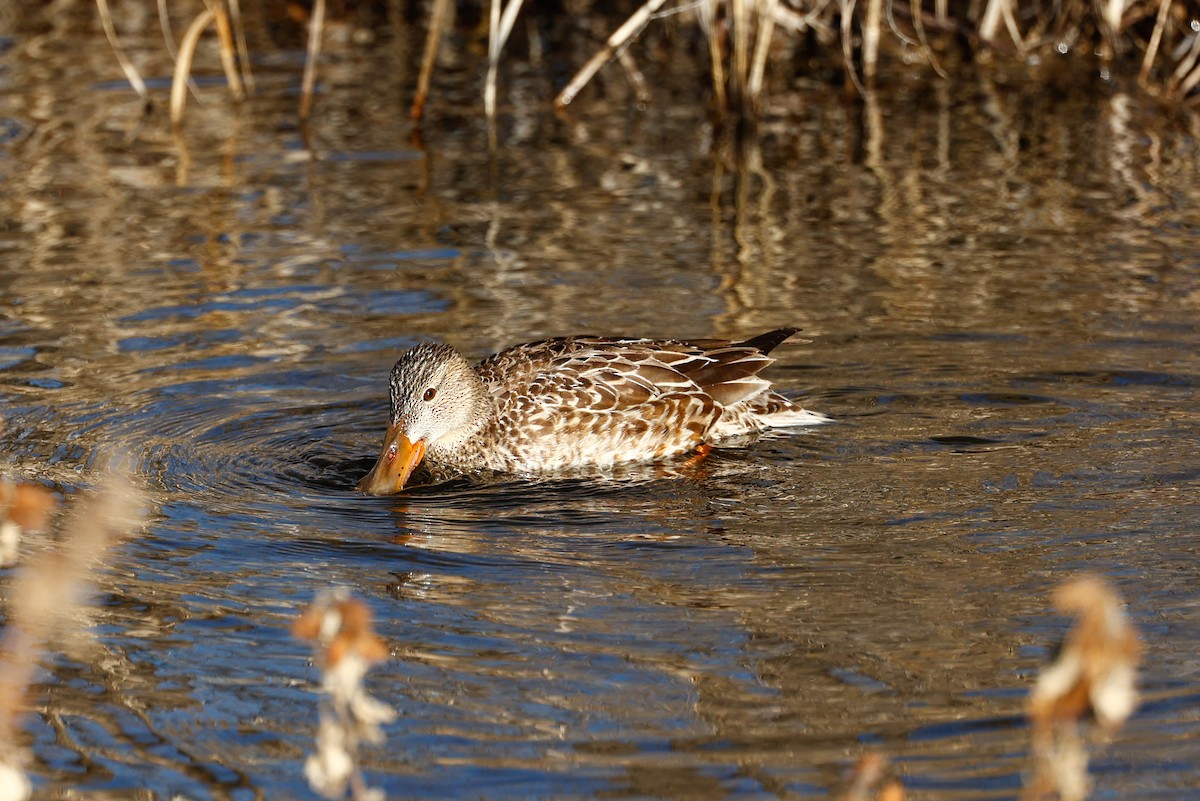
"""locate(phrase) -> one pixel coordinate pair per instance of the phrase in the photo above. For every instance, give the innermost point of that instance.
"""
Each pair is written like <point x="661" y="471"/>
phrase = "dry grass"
<point x="1150" y="41"/>
<point x="868" y="38"/>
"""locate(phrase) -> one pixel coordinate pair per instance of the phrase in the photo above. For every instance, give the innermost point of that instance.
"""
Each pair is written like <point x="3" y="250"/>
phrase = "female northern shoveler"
<point x="576" y="401"/>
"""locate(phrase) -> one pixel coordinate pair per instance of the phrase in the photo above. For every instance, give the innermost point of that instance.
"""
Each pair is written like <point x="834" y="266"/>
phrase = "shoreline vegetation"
<point x="743" y="51"/>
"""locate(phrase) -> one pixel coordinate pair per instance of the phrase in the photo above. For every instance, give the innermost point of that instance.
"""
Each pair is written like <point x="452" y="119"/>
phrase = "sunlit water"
<point x="1000" y="295"/>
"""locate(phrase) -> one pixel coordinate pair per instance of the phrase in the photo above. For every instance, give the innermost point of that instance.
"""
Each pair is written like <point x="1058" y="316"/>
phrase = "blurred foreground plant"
<point x="344" y="647"/>
<point x="872" y="780"/>
<point x="1094" y="675"/>
<point x="23" y="507"/>
<point x="45" y="597"/>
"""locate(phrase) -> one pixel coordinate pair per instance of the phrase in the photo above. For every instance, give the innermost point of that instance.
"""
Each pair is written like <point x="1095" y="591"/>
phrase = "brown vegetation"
<point x="1152" y="41"/>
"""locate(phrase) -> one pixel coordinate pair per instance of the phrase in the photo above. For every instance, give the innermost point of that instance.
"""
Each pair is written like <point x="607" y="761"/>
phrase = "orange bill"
<point x="396" y="463"/>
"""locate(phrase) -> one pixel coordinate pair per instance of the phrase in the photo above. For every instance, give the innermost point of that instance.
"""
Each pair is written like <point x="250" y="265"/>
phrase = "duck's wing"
<point x="615" y="374"/>
<point x="728" y="371"/>
<point x="592" y="374"/>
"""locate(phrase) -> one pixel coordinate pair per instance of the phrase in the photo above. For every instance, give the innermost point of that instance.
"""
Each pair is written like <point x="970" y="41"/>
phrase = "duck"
<point x="574" y="402"/>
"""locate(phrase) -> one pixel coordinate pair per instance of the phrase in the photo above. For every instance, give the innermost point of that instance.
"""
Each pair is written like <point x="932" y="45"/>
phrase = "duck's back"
<point x="589" y="400"/>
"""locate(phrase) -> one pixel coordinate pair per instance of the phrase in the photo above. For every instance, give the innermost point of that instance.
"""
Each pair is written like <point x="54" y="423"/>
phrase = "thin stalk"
<point x="489" y="83"/>
<point x="637" y="80"/>
<point x="235" y="14"/>
<point x="889" y="13"/>
<point x="766" y="28"/>
<point x="1010" y="22"/>
<point x="1189" y="83"/>
<point x="870" y="38"/>
<point x="433" y="39"/>
<point x="499" y="30"/>
<point x="1113" y="10"/>
<point x="798" y="23"/>
<point x="183" y="65"/>
<point x="1184" y="67"/>
<point x="847" y="43"/>
<point x="627" y="31"/>
<point x="1164" y="11"/>
<point x="993" y="15"/>
<point x="131" y="73"/>
<point x="919" y="28"/>
<point x="708" y="14"/>
<point x="741" y="49"/>
<point x="316" y="25"/>
<point x="164" y="24"/>
<point x="228" y="59"/>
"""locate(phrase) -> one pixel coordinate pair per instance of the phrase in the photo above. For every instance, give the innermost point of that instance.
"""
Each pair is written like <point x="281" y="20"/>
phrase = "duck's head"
<point x="437" y="401"/>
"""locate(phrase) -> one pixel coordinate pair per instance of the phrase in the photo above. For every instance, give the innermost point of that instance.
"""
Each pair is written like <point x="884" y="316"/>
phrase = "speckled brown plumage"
<point x="576" y="401"/>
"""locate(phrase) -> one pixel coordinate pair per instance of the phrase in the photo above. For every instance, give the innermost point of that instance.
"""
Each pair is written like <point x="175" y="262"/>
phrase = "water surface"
<point x="999" y="291"/>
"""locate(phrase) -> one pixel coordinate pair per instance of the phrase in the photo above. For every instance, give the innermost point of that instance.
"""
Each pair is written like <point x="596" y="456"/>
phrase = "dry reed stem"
<point x="890" y="13"/>
<point x="790" y="20"/>
<point x="183" y="65"/>
<point x="235" y="14"/>
<point x="1183" y="69"/>
<point x="1189" y="83"/>
<point x="740" y="69"/>
<point x="164" y="25"/>
<point x="993" y="15"/>
<point x="500" y="28"/>
<point x="1160" y="23"/>
<point x="316" y="26"/>
<point x="494" y="45"/>
<point x="1010" y="23"/>
<point x="919" y="28"/>
<point x="847" y="44"/>
<point x="228" y="59"/>
<point x="708" y="21"/>
<point x="1187" y="72"/>
<point x="1112" y="12"/>
<point x="131" y="73"/>
<point x="870" y="37"/>
<point x="762" y="47"/>
<point x="641" y="89"/>
<point x="799" y="23"/>
<point x="623" y="34"/>
<point x="433" y="40"/>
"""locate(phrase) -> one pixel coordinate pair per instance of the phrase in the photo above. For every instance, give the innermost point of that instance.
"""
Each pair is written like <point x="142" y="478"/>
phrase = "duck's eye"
<point x="430" y="393"/>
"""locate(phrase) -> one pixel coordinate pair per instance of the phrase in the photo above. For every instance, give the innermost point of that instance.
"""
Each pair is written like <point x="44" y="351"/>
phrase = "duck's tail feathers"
<point x="773" y="410"/>
<point x="766" y="410"/>
<point x="765" y="343"/>
<point x="798" y="416"/>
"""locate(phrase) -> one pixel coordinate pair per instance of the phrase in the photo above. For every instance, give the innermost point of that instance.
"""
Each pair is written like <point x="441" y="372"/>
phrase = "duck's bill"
<point x="399" y="458"/>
